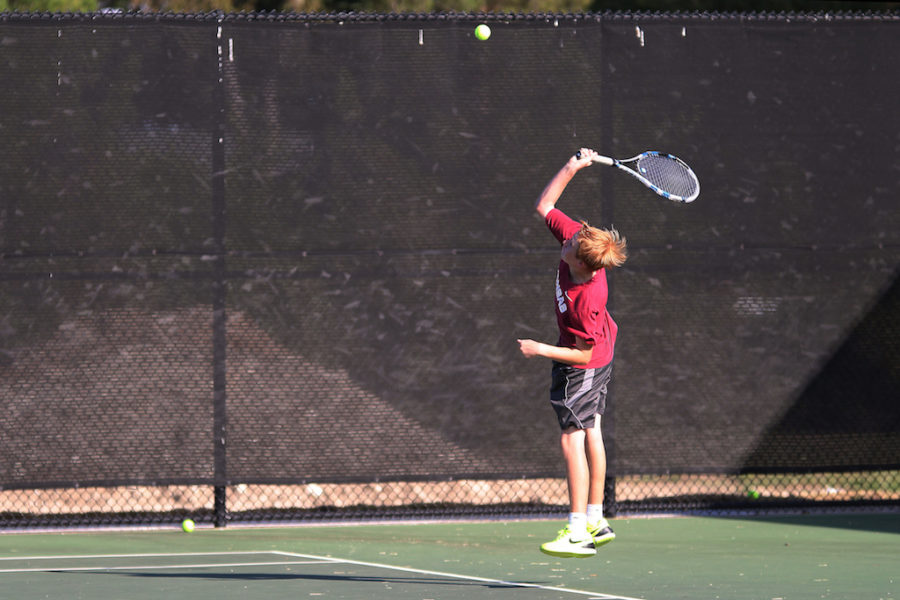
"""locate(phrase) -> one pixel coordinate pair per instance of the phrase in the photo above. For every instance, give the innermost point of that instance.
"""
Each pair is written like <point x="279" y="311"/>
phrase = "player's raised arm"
<point x="550" y="196"/>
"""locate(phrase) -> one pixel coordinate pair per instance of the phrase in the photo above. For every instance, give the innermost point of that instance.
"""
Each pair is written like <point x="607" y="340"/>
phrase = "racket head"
<point x="665" y="174"/>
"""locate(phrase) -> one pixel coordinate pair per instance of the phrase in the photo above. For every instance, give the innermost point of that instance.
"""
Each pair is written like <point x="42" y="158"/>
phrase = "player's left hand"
<point x="529" y="348"/>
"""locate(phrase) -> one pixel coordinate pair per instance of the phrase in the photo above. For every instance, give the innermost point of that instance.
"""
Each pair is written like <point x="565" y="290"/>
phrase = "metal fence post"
<point x="220" y="415"/>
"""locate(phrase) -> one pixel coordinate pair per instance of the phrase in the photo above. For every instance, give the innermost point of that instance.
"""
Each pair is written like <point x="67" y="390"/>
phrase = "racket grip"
<point x="597" y="158"/>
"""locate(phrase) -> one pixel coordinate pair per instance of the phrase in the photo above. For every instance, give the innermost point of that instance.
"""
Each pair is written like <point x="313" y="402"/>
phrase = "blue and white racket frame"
<point x="689" y="185"/>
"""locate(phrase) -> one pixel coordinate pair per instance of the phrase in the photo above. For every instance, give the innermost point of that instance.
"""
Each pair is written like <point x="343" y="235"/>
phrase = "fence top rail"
<point x="451" y="16"/>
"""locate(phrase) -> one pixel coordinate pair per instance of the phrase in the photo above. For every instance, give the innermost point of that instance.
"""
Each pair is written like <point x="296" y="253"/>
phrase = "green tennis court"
<point x="789" y="557"/>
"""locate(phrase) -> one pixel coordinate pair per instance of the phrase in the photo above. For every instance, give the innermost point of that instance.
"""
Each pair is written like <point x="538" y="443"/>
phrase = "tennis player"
<point x="582" y="362"/>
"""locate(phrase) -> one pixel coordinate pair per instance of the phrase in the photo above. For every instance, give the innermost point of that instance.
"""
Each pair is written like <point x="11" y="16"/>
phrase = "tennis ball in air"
<point x="482" y="32"/>
<point x="753" y="494"/>
<point x="187" y="525"/>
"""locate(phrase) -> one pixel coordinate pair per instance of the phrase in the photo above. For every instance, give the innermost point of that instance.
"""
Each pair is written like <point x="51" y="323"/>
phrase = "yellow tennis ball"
<point x="482" y="32"/>
<point x="187" y="525"/>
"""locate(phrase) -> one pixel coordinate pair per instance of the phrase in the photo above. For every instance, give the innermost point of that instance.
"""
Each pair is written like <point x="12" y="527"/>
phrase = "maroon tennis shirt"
<point x="581" y="307"/>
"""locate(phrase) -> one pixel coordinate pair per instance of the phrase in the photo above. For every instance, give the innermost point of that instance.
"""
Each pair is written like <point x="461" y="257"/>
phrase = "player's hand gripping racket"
<point x="665" y="174"/>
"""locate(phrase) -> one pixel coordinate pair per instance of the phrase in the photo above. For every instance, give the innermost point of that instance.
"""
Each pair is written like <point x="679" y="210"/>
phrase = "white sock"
<point x="577" y="524"/>
<point x="594" y="513"/>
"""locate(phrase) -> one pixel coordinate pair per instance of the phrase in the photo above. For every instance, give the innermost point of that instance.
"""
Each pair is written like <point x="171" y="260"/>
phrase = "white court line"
<point x="148" y="567"/>
<point x="152" y="567"/>
<point x="163" y="554"/>
<point x="593" y="595"/>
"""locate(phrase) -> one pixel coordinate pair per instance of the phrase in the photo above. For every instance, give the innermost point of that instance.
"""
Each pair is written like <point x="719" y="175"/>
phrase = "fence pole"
<point x="220" y="415"/>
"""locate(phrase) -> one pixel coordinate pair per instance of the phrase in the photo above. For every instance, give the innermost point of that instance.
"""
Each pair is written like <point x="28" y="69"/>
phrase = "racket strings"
<point x="668" y="174"/>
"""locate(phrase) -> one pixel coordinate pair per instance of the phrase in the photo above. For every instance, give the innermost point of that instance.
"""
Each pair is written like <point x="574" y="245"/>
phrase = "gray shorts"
<point x="578" y="395"/>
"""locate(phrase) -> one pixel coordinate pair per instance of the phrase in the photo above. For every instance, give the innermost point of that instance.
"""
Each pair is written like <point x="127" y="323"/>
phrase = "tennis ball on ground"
<point x="187" y="525"/>
<point x="482" y="32"/>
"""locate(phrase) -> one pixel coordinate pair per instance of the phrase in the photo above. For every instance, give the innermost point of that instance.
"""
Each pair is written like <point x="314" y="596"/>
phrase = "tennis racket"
<point x="665" y="174"/>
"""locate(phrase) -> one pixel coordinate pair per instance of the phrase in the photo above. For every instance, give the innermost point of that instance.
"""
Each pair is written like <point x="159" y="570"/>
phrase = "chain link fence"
<point x="272" y="267"/>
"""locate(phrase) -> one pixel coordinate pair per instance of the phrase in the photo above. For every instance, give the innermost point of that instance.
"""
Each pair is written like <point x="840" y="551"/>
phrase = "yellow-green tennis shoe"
<point x="601" y="532"/>
<point x="568" y="546"/>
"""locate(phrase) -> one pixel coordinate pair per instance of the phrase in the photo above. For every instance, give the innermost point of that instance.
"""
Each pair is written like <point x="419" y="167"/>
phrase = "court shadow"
<point x="336" y="577"/>
<point x="877" y="522"/>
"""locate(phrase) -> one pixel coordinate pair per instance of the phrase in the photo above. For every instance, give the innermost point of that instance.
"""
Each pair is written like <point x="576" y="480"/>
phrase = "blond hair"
<point x="600" y="248"/>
